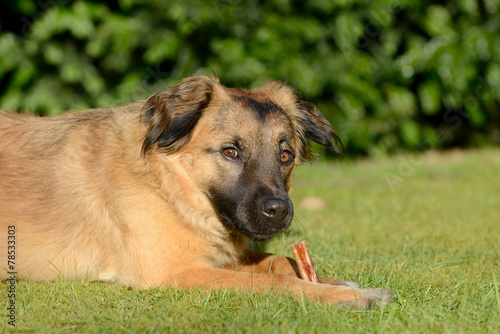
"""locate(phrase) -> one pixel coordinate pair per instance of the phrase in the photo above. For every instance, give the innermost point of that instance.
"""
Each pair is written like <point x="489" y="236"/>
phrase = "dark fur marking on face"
<point x="232" y="207"/>
<point x="261" y="109"/>
<point x="240" y="205"/>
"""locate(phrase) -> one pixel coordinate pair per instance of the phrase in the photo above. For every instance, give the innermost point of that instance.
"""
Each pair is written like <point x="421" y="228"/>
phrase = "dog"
<point x="168" y="191"/>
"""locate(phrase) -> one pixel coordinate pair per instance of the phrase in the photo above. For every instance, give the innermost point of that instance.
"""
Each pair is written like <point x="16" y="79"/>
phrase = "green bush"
<point x="390" y="75"/>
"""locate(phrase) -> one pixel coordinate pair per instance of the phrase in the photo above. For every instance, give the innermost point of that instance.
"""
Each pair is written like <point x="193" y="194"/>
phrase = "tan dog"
<point x="167" y="191"/>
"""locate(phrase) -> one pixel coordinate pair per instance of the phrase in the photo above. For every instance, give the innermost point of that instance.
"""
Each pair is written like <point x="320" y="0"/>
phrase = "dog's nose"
<point x="275" y="209"/>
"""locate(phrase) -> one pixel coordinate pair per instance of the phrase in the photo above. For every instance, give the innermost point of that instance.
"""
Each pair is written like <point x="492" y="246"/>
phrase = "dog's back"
<point x="28" y="147"/>
<point x="50" y="176"/>
<point x="31" y="150"/>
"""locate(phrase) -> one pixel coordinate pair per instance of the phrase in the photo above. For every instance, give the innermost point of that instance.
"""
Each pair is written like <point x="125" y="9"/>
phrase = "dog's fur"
<point x="167" y="191"/>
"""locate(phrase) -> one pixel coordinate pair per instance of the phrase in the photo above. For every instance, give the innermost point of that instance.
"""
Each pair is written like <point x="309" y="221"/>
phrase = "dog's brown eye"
<point x="230" y="153"/>
<point x="285" y="157"/>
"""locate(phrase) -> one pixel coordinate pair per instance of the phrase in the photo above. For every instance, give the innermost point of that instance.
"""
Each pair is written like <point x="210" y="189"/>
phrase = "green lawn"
<point x="425" y="226"/>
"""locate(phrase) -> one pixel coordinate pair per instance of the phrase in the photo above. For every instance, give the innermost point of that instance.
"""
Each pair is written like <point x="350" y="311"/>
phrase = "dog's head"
<point x="239" y="147"/>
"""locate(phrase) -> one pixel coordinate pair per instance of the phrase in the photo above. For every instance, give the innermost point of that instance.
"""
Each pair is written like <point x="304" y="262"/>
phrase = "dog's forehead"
<point x="260" y="105"/>
<point x="254" y="108"/>
<point x="252" y="119"/>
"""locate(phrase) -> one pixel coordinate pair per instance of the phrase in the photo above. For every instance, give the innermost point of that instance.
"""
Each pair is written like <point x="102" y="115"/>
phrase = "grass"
<point x="426" y="226"/>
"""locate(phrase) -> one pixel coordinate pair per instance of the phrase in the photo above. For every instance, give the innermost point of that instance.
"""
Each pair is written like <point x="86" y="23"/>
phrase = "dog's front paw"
<point x="355" y="298"/>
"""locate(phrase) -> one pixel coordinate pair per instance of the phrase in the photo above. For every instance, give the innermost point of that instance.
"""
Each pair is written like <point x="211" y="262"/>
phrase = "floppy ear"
<point x="313" y="125"/>
<point x="171" y="115"/>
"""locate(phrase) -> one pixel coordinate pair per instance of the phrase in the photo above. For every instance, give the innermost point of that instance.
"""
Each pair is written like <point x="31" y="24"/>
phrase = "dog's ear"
<point x="171" y="115"/>
<point x="313" y="125"/>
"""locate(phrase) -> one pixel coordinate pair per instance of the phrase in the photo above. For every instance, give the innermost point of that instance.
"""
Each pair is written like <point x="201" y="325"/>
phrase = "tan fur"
<point x="92" y="197"/>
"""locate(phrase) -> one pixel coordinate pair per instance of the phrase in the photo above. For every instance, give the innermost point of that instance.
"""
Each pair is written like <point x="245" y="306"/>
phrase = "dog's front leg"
<point x="254" y="261"/>
<point x="218" y="278"/>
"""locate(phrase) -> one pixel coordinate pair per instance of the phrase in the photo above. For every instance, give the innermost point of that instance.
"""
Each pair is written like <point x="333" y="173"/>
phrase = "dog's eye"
<point x="230" y="152"/>
<point x="286" y="157"/>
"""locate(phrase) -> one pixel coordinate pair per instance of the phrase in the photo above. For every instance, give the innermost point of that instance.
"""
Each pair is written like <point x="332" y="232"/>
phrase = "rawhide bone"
<point x="304" y="262"/>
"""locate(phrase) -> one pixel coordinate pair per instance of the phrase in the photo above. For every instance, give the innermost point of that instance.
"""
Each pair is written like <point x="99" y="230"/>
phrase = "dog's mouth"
<point x="256" y="236"/>
<point x="258" y="231"/>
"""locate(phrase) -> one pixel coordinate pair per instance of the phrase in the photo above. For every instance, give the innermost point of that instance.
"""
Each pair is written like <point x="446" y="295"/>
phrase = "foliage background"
<point x="391" y="75"/>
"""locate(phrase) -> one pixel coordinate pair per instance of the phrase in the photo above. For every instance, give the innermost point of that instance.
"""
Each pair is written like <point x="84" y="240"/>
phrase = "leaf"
<point x="438" y="21"/>
<point x="429" y="94"/>
<point x="410" y="134"/>
<point x="53" y="53"/>
<point x="476" y="116"/>
<point x="401" y="101"/>
<point x="23" y="75"/>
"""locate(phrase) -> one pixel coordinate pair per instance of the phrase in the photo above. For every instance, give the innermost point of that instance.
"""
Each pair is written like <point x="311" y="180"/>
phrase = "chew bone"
<point x="304" y="262"/>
